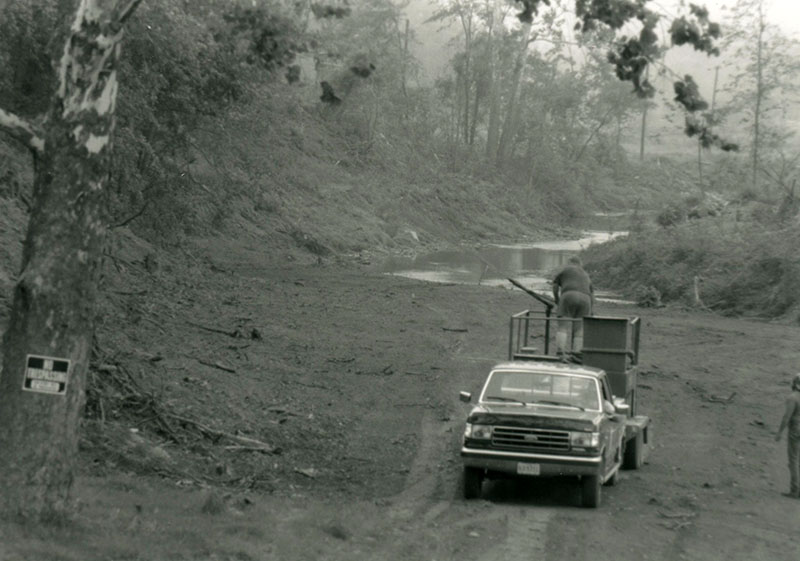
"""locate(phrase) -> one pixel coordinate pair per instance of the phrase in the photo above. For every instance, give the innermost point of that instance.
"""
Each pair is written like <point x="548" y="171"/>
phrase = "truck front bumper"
<point x="549" y="464"/>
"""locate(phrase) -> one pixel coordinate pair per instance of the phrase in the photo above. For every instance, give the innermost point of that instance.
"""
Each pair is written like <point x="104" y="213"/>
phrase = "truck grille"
<point x="520" y="438"/>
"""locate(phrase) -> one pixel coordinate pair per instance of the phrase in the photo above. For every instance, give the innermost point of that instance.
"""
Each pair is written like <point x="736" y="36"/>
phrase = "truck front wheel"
<point x="473" y="483"/>
<point x="590" y="491"/>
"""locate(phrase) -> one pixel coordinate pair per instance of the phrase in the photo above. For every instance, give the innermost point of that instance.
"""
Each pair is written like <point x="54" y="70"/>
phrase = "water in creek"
<point x="532" y="264"/>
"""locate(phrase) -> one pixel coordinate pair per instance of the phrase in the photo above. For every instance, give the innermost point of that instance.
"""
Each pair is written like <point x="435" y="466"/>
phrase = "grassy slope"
<point x="745" y="262"/>
<point x="292" y="182"/>
<point x="274" y="173"/>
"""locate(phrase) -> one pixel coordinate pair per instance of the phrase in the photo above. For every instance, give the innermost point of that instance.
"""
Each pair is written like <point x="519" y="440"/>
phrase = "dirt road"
<point x="355" y="377"/>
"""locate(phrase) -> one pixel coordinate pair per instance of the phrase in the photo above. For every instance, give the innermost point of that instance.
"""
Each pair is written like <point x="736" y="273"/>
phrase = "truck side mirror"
<point x="608" y="408"/>
<point x="466" y="397"/>
<point x="621" y="407"/>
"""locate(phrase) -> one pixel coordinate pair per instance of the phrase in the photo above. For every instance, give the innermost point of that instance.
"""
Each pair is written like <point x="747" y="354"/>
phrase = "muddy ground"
<point x="354" y="377"/>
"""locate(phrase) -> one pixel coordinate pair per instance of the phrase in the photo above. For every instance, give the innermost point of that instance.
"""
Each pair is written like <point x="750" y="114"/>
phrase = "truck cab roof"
<point x="551" y="367"/>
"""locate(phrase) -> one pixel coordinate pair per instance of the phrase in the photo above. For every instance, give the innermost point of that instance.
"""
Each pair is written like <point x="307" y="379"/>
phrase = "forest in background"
<point x="304" y="125"/>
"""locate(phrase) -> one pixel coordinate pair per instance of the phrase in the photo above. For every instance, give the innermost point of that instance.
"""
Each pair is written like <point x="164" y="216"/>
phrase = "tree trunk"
<point x="759" y="92"/>
<point x="492" y="133"/>
<point x="52" y="314"/>
<point x="476" y="107"/>
<point x="644" y="120"/>
<point x="593" y="132"/>
<point x="531" y="163"/>
<point x="466" y="23"/>
<point x="403" y="70"/>
<point x="511" y="120"/>
<point x="699" y="143"/>
<point x="458" y="96"/>
<point x="466" y="100"/>
<point x="700" y="163"/>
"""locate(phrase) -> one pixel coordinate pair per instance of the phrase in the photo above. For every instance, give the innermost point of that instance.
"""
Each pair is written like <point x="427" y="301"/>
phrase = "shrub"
<point x="672" y="215"/>
<point x="647" y="297"/>
<point x="747" y="271"/>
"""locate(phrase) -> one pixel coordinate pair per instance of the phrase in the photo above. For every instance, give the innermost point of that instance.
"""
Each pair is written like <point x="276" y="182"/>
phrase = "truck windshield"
<point x="532" y="387"/>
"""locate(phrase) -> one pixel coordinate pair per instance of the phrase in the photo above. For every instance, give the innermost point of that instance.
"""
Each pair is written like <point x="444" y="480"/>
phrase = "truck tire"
<point x="473" y="483"/>
<point x="634" y="452"/>
<point x="590" y="491"/>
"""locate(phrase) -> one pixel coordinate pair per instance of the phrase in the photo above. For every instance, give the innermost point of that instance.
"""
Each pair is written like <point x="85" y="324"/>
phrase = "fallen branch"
<point x="719" y="399"/>
<point x="26" y="202"/>
<point x="243" y="448"/>
<point x="677" y="514"/>
<point x="216" y="365"/>
<point x="313" y="473"/>
<point x="130" y="292"/>
<point x="252" y="442"/>
<point x="133" y="216"/>
<point x="316" y="386"/>
<point x="233" y="333"/>
<point x="124" y="11"/>
<point x="456" y="329"/>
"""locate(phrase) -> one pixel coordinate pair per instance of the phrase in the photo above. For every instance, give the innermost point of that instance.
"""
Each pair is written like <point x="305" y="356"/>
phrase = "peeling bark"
<point x="21" y="130"/>
<point x="53" y="308"/>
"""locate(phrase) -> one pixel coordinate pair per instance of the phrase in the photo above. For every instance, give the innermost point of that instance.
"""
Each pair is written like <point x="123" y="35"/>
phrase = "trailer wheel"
<point x="590" y="491"/>
<point x="473" y="483"/>
<point x="634" y="452"/>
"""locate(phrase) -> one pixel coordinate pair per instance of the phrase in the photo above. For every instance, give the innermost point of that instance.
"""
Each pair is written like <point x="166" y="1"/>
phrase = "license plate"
<point x="528" y="469"/>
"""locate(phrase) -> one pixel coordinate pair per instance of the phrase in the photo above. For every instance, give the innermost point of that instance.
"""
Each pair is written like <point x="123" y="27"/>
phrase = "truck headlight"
<point x="482" y="432"/>
<point x="584" y="439"/>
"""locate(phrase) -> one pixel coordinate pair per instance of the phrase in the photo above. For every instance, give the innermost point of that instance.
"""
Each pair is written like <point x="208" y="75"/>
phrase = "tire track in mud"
<point x="430" y="486"/>
<point x="426" y="475"/>
<point x="432" y="494"/>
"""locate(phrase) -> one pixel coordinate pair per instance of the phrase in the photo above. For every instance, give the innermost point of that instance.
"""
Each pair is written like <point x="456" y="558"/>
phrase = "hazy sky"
<point x="433" y="52"/>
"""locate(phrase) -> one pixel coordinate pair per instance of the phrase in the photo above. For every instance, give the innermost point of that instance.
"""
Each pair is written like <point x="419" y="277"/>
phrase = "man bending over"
<point x="572" y="290"/>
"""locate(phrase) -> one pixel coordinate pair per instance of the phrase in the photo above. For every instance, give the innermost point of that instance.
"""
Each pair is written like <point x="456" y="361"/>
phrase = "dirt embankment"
<point x="354" y="378"/>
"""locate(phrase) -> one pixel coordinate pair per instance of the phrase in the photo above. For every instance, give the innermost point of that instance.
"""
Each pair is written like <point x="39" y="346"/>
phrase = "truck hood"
<point x="535" y="416"/>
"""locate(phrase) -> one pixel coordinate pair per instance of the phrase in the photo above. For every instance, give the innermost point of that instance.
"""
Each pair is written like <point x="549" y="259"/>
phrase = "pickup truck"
<point x="540" y="415"/>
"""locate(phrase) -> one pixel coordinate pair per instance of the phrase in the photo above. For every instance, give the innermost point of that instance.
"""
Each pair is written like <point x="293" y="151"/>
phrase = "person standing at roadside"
<point x="573" y="293"/>
<point x="791" y="419"/>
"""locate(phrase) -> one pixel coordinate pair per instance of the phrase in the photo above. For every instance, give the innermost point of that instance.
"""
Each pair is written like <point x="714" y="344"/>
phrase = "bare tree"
<point x="511" y="113"/>
<point x="494" y="35"/>
<point x="47" y="346"/>
<point x="764" y="78"/>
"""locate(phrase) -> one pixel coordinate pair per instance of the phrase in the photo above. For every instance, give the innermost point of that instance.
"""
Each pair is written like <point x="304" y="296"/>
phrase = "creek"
<point x="534" y="264"/>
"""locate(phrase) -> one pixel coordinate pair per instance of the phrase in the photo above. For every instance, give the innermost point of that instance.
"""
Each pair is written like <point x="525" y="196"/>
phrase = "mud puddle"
<point x="533" y="264"/>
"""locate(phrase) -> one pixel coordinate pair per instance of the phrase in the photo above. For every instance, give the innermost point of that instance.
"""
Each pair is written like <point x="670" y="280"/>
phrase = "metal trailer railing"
<point x="529" y="325"/>
<point x="615" y="337"/>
